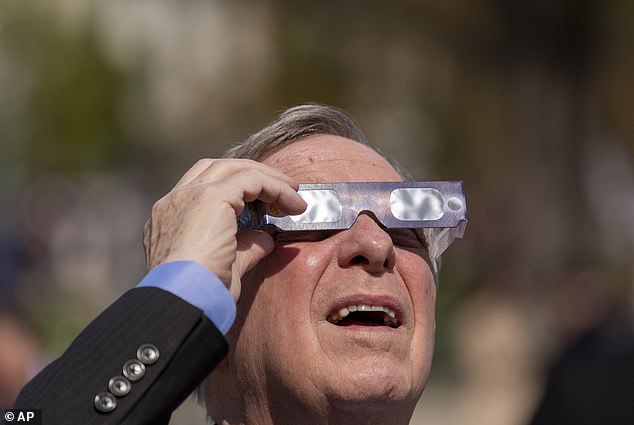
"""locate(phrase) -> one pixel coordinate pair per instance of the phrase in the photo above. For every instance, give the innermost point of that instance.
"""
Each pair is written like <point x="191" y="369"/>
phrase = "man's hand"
<point x="196" y="220"/>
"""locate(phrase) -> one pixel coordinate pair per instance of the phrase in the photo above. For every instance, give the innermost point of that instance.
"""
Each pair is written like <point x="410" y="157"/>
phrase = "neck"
<point x="289" y="411"/>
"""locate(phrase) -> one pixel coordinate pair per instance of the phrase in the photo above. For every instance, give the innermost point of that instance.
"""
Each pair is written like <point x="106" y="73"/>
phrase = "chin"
<point x="375" y="387"/>
<point x="373" y="401"/>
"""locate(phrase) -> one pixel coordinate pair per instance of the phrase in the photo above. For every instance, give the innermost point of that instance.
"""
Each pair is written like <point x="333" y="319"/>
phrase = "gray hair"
<point x="295" y="123"/>
<point x="302" y="121"/>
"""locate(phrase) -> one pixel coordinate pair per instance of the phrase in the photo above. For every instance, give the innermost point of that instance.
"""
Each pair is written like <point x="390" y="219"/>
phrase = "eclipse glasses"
<point x="436" y="205"/>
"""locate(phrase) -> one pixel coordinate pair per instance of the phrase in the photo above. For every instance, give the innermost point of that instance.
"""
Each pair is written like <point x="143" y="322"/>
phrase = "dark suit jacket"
<point x="189" y="345"/>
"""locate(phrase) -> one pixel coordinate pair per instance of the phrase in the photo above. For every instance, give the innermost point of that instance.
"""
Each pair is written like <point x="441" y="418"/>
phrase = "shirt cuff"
<point x="195" y="284"/>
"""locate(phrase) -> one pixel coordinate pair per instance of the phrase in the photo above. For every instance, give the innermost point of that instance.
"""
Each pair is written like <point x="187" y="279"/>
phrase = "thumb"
<point x="253" y="245"/>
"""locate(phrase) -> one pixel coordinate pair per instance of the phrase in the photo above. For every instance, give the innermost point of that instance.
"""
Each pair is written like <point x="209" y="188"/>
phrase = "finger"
<point x="224" y="168"/>
<point x="254" y="185"/>
<point x="253" y="246"/>
<point x="191" y="174"/>
<point x="147" y="240"/>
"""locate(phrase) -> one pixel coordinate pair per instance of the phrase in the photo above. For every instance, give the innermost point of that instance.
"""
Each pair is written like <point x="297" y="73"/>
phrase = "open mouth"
<point x="364" y="315"/>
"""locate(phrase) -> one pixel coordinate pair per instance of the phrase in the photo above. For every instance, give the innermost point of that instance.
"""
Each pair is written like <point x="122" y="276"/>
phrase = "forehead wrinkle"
<point x="311" y="159"/>
<point x="289" y="163"/>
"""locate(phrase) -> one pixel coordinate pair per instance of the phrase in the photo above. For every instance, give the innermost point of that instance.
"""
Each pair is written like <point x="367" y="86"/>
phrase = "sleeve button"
<point x="133" y="370"/>
<point x="119" y="386"/>
<point x="105" y="402"/>
<point x="148" y="354"/>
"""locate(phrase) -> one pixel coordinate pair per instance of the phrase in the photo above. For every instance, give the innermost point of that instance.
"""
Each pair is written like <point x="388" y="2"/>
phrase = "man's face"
<point x="288" y="345"/>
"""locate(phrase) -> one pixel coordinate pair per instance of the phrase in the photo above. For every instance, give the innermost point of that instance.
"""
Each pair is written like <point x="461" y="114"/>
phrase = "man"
<point x="293" y="355"/>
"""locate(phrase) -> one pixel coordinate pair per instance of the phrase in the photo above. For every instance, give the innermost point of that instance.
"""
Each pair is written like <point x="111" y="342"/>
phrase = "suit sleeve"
<point x="189" y="347"/>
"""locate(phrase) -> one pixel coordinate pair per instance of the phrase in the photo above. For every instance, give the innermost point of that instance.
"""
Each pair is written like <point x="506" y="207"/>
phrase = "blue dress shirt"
<point x="195" y="284"/>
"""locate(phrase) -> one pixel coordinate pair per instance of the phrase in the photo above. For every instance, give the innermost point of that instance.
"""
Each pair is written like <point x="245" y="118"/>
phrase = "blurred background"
<point x="105" y="103"/>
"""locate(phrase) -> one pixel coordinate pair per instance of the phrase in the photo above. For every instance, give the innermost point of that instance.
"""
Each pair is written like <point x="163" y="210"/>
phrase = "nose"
<point x="367" y="245"/>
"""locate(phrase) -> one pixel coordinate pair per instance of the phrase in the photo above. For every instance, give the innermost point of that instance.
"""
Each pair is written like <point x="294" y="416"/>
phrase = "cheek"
<point x="288" y="276"/>
<point x="292" y="265"/>
<point x="421" y="286"/>
<point x="278" y="320"/>
<point x="418" y="277"/>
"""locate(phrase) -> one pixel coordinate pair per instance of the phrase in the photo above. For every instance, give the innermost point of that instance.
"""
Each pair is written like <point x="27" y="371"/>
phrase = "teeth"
<point x="389" y="316"/>
<point x="334" y="318"/>
<point x="389" y="321"/>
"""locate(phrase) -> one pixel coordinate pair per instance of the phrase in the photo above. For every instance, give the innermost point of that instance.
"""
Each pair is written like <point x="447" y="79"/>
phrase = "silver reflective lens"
<point x="324" y="206"/>
<point x="417" y="203"/>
